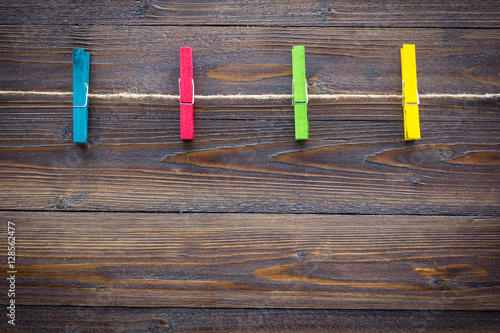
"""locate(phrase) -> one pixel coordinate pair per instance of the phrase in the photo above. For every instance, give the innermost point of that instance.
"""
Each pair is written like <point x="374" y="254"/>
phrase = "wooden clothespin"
<point x="186" y="92"/>
<point x="81" y="69"/>
<point x="410" y="92"/>
<point x="299" y="91"/>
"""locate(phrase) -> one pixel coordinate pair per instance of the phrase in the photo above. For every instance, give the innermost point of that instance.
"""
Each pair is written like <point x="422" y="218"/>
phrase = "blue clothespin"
<point x="81" y="69"/>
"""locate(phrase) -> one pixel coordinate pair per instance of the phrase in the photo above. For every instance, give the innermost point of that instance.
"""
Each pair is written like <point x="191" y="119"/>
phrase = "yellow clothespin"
<point x="410" y="92"/>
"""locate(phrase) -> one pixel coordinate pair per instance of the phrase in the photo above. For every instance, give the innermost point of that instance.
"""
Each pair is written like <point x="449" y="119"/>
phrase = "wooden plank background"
<point x="313" y="13"/>
<point x="91" y="319"/>
<point x="342" y="231"/>
<point x="244" y="158"/>
<point x="236" y="260"/>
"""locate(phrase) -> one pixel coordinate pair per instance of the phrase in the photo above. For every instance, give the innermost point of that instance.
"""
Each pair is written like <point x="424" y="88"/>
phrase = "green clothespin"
<point x="81" y="68"/>
<point x="299" y="91"/>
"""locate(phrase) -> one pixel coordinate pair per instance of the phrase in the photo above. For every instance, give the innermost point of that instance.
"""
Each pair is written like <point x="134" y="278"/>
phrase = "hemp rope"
<point x="127" y="95"/>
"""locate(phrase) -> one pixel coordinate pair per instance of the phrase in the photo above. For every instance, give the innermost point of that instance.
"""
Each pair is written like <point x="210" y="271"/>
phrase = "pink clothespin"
<point x="186" y="92"/>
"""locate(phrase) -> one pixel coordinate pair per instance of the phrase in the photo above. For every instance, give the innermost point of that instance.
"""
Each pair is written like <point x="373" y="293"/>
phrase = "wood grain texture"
<point x="160" y="320"/>
<point x="244" y="158"/>
<point x="361" y="13"/>
<point x="242" y="260"/>
<point x="231" y="60"/>
<point x="82" y="271"/>
<point x="140" y="165"/>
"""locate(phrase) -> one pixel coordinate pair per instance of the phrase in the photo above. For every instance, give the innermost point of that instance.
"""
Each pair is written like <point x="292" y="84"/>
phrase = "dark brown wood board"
<point x="167" y="320"/>
<point x="256" y="260"/>
<point x="361" y="13"/>
<point x="361" y="167"/>
<point x="250" y="60"/>
<point x="244" y="229"/>
<point x="244" y="157"/>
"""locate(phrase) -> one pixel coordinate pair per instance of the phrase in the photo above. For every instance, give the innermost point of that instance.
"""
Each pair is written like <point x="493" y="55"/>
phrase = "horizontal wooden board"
<point x="176" y="272"/>
<point x="141" y="165"/>
<point x="441" y="110"/>
<point x="250" y="166"/>
<point x="363" y="13"/>
<point x="244" y="158"/>
<point x="104" y="319"/>
<point x="241" y="260"/>
<point x="246" y="60"/>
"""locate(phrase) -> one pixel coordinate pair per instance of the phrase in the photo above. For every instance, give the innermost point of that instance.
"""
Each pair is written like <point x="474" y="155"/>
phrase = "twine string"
<point x="127" y="95"/>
